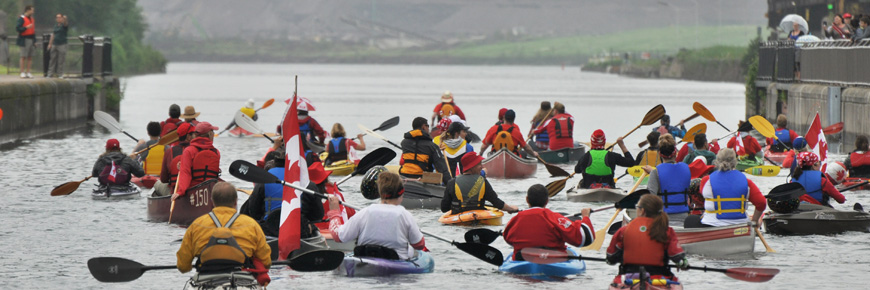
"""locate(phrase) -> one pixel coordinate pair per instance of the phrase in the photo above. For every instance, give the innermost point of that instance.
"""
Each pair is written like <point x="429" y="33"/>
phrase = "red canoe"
<point x="504" y="164"/>
<point x="195" y="203"/>
<point x="146" y="181"/>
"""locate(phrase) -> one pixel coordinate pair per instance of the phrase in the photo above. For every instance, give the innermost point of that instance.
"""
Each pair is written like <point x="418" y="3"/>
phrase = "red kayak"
<point x="855" y="180"/>
<point x="777" y="157"/>
<point x="146" y="181"/>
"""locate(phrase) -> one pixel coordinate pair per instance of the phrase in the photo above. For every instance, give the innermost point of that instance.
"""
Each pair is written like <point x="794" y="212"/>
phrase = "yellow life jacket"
<point x="248" y="111"/>
<point x="154" y="162"/>
<point x="651" y="158"/>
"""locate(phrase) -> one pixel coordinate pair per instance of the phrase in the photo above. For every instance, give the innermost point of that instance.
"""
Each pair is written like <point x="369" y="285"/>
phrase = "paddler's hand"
<point x="175" y="196"/>
<point x="279" y="142"/>
<point x="714" y="141"/>
<point x="333" y="201"/>
<point x="535" y="154"/>
<point x="510" y="208"/>
<point x="648" y="168"/>
<point x="621" y="144"/>
<point x="360" y="136"/>
<point x="442" y="146"/>
<point x="682" y="264"/>
<point x="585" y="212"/>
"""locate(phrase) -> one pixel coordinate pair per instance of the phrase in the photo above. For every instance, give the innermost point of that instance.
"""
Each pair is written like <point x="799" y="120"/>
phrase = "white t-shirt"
<point x="387" y="225"/>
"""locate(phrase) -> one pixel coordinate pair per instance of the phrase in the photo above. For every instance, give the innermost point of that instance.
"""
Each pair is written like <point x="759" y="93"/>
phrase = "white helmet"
<point x="249" y="104"/>
<point x="837" y="172"/>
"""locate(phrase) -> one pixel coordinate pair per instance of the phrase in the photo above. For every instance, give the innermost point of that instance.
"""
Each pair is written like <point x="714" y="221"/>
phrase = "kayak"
<point x="657" y="284"/>
<point x="195" y="203"/>
<point x="749" y="162"/>
<point x="116" y="192"/>
<point x="644" y="182"/>
<point x="489" y="216"/>
<point x="853" y="181"/>
<point x="323" y="241"/>
<point x="576" y="194"/>
<point x="421" y="195"/>
<point x="233" y="280"/>
<point x="561" y="156"/>
<point x="367" y="267"/>
<point x="505" y="164"/>
<point x="777" y="157"/>
<point x="341" y="168"/>
<point x="813" y="219"/>
<point x="543" y="271"/>
<point x="726" y="241"/>
<point x="239" y="132"/>
<point x="146" y="181"/>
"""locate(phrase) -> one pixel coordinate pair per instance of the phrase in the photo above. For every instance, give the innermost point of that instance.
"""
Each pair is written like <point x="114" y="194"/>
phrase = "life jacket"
<point x="729" y="195"/>
<point x="222" y="252"/>
<point x="114" y="174"/>
<point x="248" y="111"/>
<point x="598" y="166"/>
<point x="414" y="162"/>
<point x="860" y="164"/>
<point x="640" y="249"/>
<point x="206" y="165"/>
<point x="337" y="149"/>
<point x="175" y="163"/>
<point x="307" y="130"/>
<point x="274" y="192"/>
<point x="564" y="127"/>
<point x="446" y="110"/>
<point x="469" y="190"/>
<point x="663" y="130"/>
<point x="543" y="136"/>
<point x="651" y="158"/>
<point x="29" y="31"/>
<point x="812" y="182"/>
<point x="674" y="179"/>
<point x="784" y="137"/>
<point x="504" y="139"/>
<point x="153" y="162"/>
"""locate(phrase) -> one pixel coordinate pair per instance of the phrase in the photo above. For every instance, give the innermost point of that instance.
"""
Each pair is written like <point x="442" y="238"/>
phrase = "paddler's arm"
<point x="614" y="251"/>
<point x="434" y="115"/>
<point x="758" y="200"/>
<point x="362" y="143"/>
<point x="829" y="189"/>
<point x="185" y="254"/>
<point x="492" y="197"/>
<point x="98" y="167"/>
<point x="340" y="229"/>
<point x="135" y="167"/>
<point x="583" y="163"/>
<point x="449" y="191"/>
<point x="183" y="180"/>
<point x="262" y="251"/>
<point x="653" y="183"/>
<point x="439" y="163"/>
<point x="580" y="233"/>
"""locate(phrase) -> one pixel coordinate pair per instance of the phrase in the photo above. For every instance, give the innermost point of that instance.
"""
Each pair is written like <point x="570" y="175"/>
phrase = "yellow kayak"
<point x="340" y="168"/>
<point x="489" y="216"/>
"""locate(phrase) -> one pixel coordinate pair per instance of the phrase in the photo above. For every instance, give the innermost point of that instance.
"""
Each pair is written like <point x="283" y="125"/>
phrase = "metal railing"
<point x="835" y="62"/>
<point x="87" y="56"/>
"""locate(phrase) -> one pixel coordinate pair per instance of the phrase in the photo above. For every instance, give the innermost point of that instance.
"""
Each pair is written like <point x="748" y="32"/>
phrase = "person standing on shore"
<point x="57" y="47"/>
<point x="26" y="41"/>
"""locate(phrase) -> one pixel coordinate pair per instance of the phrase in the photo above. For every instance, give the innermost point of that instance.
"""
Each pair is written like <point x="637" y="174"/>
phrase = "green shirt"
<point x="59" y="34"/>
<point x="709" y="155"/>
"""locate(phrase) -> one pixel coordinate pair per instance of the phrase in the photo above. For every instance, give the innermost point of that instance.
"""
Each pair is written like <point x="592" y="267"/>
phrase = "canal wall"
<point x="40" y="107"/>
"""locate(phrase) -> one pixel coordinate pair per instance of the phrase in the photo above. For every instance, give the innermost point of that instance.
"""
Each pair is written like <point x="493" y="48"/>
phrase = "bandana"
<point x="598" y="140"/>
<point x="398" y="193"/>
<point x="808" y="158"/>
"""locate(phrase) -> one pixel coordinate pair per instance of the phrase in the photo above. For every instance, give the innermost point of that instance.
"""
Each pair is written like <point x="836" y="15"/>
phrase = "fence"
<point x="831" y="62"/>
<point x="87" y="56"/>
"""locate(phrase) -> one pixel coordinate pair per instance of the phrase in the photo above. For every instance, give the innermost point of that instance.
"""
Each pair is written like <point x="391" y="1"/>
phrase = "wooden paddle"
<point x="67" y="188"/>
<point x="106" y="120"/>
<point x="113" y="269"/>
<point x="370" y="132"/>
<point x="167" y="139"/>
<point x="651" y="117"/>
<point x="249" y="172"/>
<point x="553" y="188"/>
<point x="833" y="129"/>
<point x="763" y="170"/>
<point x="380" y="156"/>
<point x="172" y="205"/>
<point x="392" y="122"/>
<point x="701" y="110"/>
<point x="546" y="256"/>
<point x="763" y="241"/>
<point x="601" y="233"/>
<point x="249" y="125"/>
<point x="693" y="116"/>
<point x="555" y="171"/>
<point x="245" y="191"/>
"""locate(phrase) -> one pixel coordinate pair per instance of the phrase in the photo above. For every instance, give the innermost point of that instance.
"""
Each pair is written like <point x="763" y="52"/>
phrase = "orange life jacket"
<point x="504" y="139"/>
<point x="640" y="249"/>
<point x="206" y="165"/>
<point x="446" y="110"/>
<point x="32" y="29"/>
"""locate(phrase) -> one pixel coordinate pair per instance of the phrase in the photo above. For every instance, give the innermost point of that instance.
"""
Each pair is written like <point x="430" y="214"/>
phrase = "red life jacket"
<point x="114" y="174"/>
<point x="640" y="249"/>
<point x="206" y="165"/>
<point x="29" y="31"/>
<point x="174" y="163"/>
<point x="859" y="159"/>
<point x="564" y="127"/>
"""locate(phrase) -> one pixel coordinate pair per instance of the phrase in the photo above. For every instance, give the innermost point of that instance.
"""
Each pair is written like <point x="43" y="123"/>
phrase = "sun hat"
<point x="189" y="113"/>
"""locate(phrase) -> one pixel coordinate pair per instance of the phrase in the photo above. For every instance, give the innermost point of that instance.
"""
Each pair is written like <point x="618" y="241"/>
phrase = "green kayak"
<point x="749" y="162"/>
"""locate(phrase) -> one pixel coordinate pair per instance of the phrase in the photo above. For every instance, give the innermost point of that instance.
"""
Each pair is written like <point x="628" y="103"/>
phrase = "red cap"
<point x="700" y="168"/>
<point x="847" y="15"/>
<point x="113" y="144"/>
<point x="470" y="160"/>
<point x="501" y="112"/>
<point x="598" y="140"/>
<point x="316" y="173"/>
<point x="184" y="129"/>
<point x="205" y="127"/>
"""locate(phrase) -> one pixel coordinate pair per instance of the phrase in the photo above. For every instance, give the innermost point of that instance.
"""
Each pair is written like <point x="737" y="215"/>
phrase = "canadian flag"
<point x="739" y="149"/>
<point x="295" y="172"/>
<point x="816" y="140"/>
<point x="113" y="173"/>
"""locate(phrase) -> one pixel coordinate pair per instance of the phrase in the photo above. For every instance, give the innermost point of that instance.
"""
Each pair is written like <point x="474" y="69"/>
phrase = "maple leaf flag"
<point x="295" y="172"/>
<point x="816" y="140"/>
<point x="113" y="173"/>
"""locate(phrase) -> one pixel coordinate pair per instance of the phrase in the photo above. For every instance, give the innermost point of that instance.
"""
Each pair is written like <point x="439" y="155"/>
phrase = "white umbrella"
<point x="804" y="39"/>
<point x="788" y="22"/>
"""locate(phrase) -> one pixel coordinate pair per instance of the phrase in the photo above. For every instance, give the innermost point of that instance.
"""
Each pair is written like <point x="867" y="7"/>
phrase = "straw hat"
<point x="447" y="97"/>
<point x="189" y="113"/>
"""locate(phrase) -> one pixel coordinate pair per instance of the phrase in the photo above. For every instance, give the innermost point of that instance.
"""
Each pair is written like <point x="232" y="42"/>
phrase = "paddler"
<point x="225" y="240"/>
<point x="670" y="179"/>
<point x="650" y="156"/>
<point x="559" y="129"/>
<point x="381" y="230"/>
<point x="501" y="113"/>
<point x="542" y="139"/>
<point x="446" y="108"/>
<point x="666" y="128"/>
<point x="798" y="145"/>
<point x="469" y="190"/>
<point x="320" y="178"/>
<point x="744" y="144"/>
<point x="113" y="167"/>
<point x="819" y="189"/>
<point x="341" y="148"/>
<point x="420" y="154"/>
<point x="540" y="227"/>
<point x="598" y="164"/>
<point x="248" y="110"/>
<point x="647" y="241"/>
<point x="174" y="114"/>
<point x="858" y="162"/>
<point x="190" y="115"/>
<point x="507" y="136"/>
<point x="200" y="161"/>
<point x="699" y="170"/>
<point x="454" y="146"/>
<point x="689" y="148"/>
<point x="700" y="150"/>
<point x="726" y="192"/>
<point x="153" y="129"/>
<point x="171" y="161"/>
<point x="784" y="135"/>
<point x="308" y="126"/>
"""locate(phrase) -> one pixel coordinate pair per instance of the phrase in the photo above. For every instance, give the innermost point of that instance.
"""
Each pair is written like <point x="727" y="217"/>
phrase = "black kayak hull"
<point x="817" y="220"/>
<point x="422" y="196"/>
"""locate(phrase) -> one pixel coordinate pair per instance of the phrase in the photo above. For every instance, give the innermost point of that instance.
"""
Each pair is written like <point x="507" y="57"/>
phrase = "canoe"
<point x="195" y="203"/>
<point x="535" y="271"/>
<point x="723" y="242"/>
<point x="594" y="194"/>
<point x="146" y="181"/>
<point x="116" y="192"/>
<point x="419" y="195"/>
<point x="367" y="267"/>
<point x="749" y="162"/>
<point x="239" y="132"/>
<point x="233" y="280"/>
<point x="322" y="242"/>
<point x="489" y="216"/>
<point x="812" y="219"/>
<point x="777" y="157"/>
<point x="341" y="168"/>
<point x="852" y="181"/>
<point x="504" y="164"/>
<point x="561" y="156"/>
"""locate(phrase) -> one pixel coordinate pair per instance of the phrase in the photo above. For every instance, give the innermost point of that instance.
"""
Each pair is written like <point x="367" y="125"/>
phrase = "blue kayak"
<point x="366" y="266"/>
<point x="543" y="271"/>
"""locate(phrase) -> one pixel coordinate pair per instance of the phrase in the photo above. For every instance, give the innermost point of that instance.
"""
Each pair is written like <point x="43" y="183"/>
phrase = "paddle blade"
<point x="653" y="115"/>
<point x="614" y="228"/>
<point x="474" y="137"/>
<point x="830" y="130"/>
<point x="630" y="201"/>
<point x="380" y="156"/>
<point x="700" y="128"/>
<point x="268" y="103"/>
<point x="392" y="122"/>
<point x="544" y="256"/>
<point x="553" y="188"/>
<point x="169" y="138"/>
<point x="555" y="171"/>
<point x="752" y="274"/>
<point x="481" y="236"/>
<point x="703" y="111"/>
<point x="66" y="188"/>
<point x="763" y="170"/>
<point x="1" y="113"/>
<point x="107" y="121"/>
<point x="635" y="171"/>
<point x="317" y="261"/>
<point x="763" y="126"/>
<point x="247" y="123"/>
<point x="246" y="171"/>
<point x="112" y="269"/>
<point x="481" y="251"/>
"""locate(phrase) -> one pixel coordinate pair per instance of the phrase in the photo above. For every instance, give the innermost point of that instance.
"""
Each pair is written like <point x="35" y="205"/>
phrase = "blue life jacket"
<point x="306" y="131"/>
<point x="543" y="136"/>
<point x="274" y="192"/>
<point x="812" y="182"/>
<point x="729" y="197"/>
<point x="784" y="136"/>
<point x="674" y="179"/>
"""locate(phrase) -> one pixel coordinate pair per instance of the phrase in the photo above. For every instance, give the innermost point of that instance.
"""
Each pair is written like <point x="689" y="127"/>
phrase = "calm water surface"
<point x="49" y="239"/>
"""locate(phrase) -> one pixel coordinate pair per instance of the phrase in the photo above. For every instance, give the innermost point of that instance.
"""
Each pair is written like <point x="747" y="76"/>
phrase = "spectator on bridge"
<point x="862" y="32"/>
<point x="57" y="47"/>
<point x="838" y="30"/>
<point x="26" y="41"/>
<point x="847" y="20"/>
<point x="795" y="32"/>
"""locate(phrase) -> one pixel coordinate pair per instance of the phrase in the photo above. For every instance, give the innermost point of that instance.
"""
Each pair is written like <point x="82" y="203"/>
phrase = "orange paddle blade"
<point x="701" y="110"/>
<point x="267" y="103"/>
<point x="1" y="113"/>
<point x="67" y="188"/>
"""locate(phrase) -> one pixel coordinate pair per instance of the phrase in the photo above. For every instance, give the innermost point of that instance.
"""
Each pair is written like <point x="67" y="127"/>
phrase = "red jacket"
<point x="316" y="130"/>
<point x="750" y="145"/>
<point x="516" y="135"/>
<point x="331" y="189"/>
<point x="540" y="227"/>
<point x="455" y="108"/>
<point x="567" y="138"/>
<point x="184" y="175"/>
<point x="643" y="250"/>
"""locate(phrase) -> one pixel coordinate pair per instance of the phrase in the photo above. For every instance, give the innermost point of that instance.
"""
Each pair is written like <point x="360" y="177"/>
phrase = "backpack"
<point x="114" y="174"/>
<point x="222" y="253"/>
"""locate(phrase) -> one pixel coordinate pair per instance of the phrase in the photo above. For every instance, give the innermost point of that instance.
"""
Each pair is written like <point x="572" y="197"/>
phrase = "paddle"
<point x="543" y="120"/>
<point x="545" y="256"/>
<point x="167" y="139"/>
<point x="765" y="128"/>
<point x="380" y="156"/>
<point x="113" y="269"/>
<point x="555" y="171"/>
<point x="553" y="188"/>
<point x="67" y="188"/>
<point x="693" y="116"/>
<point x="635" y="171"/>
<point x="854" y="186"/>
<point x="245" y="191"/>
<point x="370" y="132"/>
<point x="106" y="120"/>
<point x="651" y="117"/>
<point x="701" y="110"/>
<point x="392" y="122"/>
<point x="601" y="233"/>
<point x="481" y="251"/>
<point x="833" y="129"/>
<point x="763" y="170"/>
<point x="763" y="240"/>
<point x="249" y="125"/>
<point x="265" y="105"/>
